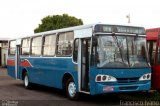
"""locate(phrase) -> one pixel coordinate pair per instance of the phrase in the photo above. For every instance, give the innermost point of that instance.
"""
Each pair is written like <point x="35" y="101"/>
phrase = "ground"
<point x="13" y="92"/>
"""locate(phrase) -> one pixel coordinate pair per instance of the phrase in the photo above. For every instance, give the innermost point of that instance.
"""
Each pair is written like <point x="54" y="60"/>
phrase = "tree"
<point x="57" y="22"/>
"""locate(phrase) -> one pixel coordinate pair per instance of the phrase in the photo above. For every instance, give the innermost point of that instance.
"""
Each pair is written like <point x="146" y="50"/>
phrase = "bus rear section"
<point x="153" y="42"/>
<point x="92" y="59"/>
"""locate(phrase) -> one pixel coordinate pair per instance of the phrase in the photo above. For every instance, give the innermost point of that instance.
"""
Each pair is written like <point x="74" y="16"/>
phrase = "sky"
<point x="20" y="17"/>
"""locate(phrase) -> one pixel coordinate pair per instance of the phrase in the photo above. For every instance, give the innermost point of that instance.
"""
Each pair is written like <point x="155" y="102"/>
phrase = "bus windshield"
<point x="121" y="52"/>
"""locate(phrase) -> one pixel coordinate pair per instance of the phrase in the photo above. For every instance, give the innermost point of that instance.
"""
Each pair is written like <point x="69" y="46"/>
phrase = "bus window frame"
<point x="43" y="37"/>
<point x="31" y="46"/>
<point x="57" y="39"/>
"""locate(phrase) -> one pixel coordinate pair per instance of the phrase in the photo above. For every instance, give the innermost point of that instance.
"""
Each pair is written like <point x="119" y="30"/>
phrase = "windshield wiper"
<point x="127" y="53"/>
<point x="116" y="41"/>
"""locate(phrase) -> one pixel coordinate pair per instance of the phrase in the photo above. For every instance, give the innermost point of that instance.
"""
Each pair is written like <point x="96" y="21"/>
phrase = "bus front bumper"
<point x="103" y="88"/>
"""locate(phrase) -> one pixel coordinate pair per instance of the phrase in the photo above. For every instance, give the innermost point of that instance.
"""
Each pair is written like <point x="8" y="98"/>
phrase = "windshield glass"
<point x="121" y="52"/>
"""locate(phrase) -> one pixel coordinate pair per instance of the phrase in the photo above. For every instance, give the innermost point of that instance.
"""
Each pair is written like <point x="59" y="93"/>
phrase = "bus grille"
<point x="127" y="80"/>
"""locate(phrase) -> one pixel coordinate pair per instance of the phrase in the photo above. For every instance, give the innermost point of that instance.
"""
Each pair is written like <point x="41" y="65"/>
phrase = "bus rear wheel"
<point x="71" y="90"/>
<point x="27" y="84"/>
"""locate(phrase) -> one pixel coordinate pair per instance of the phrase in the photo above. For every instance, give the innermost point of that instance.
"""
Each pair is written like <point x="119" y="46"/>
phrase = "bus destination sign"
<point x="120" y="29"/>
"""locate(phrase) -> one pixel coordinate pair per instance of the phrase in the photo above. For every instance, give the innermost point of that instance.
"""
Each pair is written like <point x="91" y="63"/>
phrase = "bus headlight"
<point x="105" y="78"/>
<point x="145" y="77"/>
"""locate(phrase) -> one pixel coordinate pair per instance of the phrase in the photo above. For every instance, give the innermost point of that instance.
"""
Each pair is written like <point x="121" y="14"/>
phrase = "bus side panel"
<point x="11" y="71"/>
<point x="50" y="71"/>
<point x="156" y="77"/>
<point x="11" y="66"/>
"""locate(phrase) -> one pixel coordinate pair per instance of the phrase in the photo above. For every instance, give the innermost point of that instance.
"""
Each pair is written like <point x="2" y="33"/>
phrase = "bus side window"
<point x="12" y="47"/>
<point x="75" y="51"/>
<point x="158" y="52"/>
<point x="49" y="44"/>
<point x="152" y="49"/>
<point x="25" y="46"/>
<point x="64" y="44"/>
<point x="158" y="55"/>
<point x="36" y="46"/>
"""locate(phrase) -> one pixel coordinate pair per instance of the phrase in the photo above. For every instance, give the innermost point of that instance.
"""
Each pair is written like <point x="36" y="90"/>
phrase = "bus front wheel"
<point x="27" y="84"/>
<point x="71" y="90"/>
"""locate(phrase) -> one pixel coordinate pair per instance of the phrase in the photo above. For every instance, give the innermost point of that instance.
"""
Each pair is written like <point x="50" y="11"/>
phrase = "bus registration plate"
<point x="108" y="88"/>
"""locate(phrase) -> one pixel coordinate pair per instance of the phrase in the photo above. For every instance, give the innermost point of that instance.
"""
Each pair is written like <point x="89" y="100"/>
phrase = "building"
<point x="3" y="51"/>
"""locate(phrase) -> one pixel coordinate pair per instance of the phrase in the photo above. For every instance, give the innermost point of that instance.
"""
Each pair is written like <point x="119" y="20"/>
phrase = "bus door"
<point x="17" y="60"/>
<point x="83" y="51"/>
<point x="156" y="67"/>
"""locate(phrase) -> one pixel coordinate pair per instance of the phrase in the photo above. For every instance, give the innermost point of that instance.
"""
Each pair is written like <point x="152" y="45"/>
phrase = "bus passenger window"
<point x="75" y="52"/>
<point x="65" y="43"/>
<point x="12" y="47"/>
<point x="36" y="46"/>
<point x="151" y="50"/>
<point x="49" y="45"/>
<point x="158" y="55"/>
<point x="26" y="46"/>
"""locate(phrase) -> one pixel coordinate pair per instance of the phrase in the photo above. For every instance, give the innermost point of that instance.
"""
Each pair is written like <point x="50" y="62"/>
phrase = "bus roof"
<point x="152" y="33"/>
<point x="69" y="29"/>
<point x="4" y="39"/>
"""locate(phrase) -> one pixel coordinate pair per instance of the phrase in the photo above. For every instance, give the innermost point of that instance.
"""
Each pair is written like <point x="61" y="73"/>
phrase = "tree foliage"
<point x="57" y="22"/>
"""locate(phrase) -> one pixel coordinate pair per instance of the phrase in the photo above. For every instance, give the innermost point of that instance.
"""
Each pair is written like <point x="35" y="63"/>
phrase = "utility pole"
<point x="129" y="18"/>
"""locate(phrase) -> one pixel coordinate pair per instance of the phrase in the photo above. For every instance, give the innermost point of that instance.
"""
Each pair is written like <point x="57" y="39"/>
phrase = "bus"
<point x="91" y="59"/>
<point x="153" y="42"/>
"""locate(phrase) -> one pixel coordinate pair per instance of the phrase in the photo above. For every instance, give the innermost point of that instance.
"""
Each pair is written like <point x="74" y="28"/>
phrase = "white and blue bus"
<point x="92" y="59"/>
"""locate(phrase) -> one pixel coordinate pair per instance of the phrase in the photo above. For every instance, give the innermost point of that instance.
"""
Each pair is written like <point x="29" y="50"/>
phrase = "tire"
<point x="71" y="92"/>
<point x="26" y="82"/>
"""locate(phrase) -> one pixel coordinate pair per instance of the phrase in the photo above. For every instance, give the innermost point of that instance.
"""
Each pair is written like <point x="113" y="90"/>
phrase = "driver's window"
<point x="75" y="51"/>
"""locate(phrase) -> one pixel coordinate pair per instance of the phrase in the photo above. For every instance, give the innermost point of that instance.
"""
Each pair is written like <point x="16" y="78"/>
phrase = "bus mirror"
<point x="94" y="41"/>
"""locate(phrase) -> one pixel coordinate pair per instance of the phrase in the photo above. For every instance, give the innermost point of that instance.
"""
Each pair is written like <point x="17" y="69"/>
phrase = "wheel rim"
<point x="26" y="80"/>
<point x="72" y="89"/>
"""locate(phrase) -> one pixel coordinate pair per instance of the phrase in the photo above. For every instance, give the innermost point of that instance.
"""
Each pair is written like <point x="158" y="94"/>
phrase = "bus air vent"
<point x="127" y="80"/>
